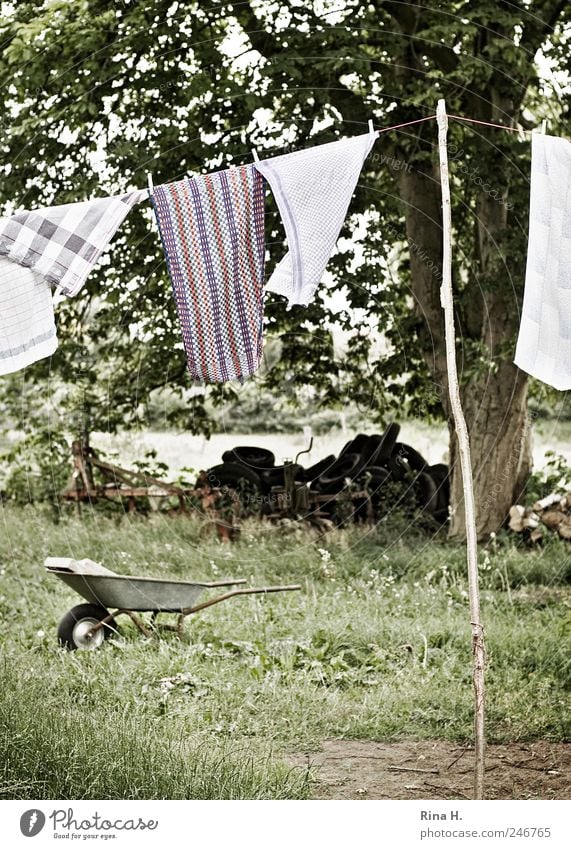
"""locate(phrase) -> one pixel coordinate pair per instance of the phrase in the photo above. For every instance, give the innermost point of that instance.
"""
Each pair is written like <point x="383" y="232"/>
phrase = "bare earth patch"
<point x="436" y="769"/>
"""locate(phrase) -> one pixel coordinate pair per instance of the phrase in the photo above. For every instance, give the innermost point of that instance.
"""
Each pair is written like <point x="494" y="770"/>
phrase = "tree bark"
<point x="420" y="192"/>
<point x="495" y="404"/>
<point x="498" y="425"/>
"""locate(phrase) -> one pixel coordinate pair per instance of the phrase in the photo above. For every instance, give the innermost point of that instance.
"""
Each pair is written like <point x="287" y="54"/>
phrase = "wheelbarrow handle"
<point x="230" y="582"/>
<point x="245" y="591"/>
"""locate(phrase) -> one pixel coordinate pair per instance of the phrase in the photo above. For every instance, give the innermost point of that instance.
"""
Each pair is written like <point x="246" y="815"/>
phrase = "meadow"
<point x="180" y="451"/>
<point x="376" y="646"/>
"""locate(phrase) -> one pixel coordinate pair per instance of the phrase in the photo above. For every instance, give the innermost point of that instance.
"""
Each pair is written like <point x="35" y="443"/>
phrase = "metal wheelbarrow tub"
<point x="86" y="626"/>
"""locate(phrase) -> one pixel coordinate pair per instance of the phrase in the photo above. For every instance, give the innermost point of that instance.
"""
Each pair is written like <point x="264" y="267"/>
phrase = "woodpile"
<point x="553" y="512"/>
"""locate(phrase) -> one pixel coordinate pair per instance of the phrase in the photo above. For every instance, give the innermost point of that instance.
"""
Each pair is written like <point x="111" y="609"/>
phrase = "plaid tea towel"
<point x="63" y="243"/>
<point x="313" y="189"/>
<point x="544" y="340"/>
<point x="212" y="230"/>
<point x="27" y="326"/>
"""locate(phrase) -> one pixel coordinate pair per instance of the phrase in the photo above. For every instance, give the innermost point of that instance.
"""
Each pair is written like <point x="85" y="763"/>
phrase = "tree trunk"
<point x="495" y="404"/>
<point x="498" y="424"/>
<point x="495" y="399"/>
<point x="420" y="192"/>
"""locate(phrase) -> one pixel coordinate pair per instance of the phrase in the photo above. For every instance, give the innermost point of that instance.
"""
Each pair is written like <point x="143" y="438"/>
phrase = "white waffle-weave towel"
<point x="544" y="341"/>
<point x="313" y="189"/>
<point x="27" y="326"/>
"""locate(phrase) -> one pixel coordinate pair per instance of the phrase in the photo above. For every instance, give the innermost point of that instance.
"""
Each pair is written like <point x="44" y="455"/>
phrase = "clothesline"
<point x="406" y="124"/>
<point x="489" y="124"/>
<point x="213" y="238"/>
<point x="381" y="130"/>
<point x="456" y="118"/>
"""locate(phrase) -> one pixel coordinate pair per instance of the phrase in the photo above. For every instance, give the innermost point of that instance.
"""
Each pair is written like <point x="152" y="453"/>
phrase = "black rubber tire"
<point x="386" y="444"/>
<point x="319" y="468"/>
<point x="71" y="629"/>
<point x="344" y="449"/>
<point x="230" y="474"/>
<point x="370" y="448"/>
<point x="355" y="446"/>
<point x="413" y="457"/>
<point x="250" y="455"/>
<point x="440" y="474"/>
<point x="441" y="516"/>
<point x="276" y="476"/>
<point x="377" y="475"/>
<point x="398" y="468"/>
<point x="427" y="493"/>
<point x="347" y="466"/>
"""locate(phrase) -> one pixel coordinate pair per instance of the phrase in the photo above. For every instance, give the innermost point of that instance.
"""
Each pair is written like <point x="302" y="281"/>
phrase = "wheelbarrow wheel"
<point x="74" y="630"/>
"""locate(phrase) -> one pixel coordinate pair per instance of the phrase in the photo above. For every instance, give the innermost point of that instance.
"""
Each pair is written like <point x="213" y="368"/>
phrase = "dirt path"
<point x="435" y="769"/>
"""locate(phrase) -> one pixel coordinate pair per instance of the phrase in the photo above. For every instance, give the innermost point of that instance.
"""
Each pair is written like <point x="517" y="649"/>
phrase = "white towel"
<point x="313" y="189"/>
<point x="27" y="326"/>
<point x="544" y="341"/>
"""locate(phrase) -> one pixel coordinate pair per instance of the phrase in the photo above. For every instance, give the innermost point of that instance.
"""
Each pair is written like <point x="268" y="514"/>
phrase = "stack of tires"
<point x="378" y="464"/>
<point x="250" y="472"/>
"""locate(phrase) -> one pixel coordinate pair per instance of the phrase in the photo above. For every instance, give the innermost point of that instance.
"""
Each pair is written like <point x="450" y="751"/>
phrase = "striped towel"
<point x="212" y="230"/>
<point x="27" y="326"/>
<point x="63" y="243"/>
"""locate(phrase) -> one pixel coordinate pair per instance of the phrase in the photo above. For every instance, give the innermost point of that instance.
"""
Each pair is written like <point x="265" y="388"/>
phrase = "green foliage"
<point x="548" y="404"/>
<point x="150" y="465"/>
<point x="36" y="469"/>
<point x="554" y="477"/>
<point x="257" y="408"/>
<point x="99" y="93"/>
<point x="78" y="751"/>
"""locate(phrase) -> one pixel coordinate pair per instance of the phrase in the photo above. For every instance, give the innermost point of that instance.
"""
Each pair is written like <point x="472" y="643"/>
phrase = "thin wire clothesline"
<point x="488" y="124"/>
<point x="406" y="124"/>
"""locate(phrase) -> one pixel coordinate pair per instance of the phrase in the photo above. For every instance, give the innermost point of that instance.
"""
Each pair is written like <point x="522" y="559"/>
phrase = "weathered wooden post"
<point x="446" y="299"/>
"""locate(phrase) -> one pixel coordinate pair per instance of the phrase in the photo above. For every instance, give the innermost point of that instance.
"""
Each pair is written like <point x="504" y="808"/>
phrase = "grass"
<point x="377" y="645"/>
<point x="180" y="450"/>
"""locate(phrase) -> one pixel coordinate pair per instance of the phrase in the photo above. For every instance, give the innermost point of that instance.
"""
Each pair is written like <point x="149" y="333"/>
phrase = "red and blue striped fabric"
<point x="212" y="230"/>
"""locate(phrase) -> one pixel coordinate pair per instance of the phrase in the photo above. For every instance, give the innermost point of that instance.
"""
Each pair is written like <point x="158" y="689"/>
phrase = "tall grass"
<point x="61" y="747"/>
<point x="377" y="645"/>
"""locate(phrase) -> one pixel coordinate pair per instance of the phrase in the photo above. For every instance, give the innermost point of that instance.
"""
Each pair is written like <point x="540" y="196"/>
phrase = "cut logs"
<point x="553" y="512"/>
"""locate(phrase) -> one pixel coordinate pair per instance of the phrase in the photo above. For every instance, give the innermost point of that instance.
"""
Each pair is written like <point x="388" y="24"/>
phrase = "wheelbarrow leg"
<point x="103" y="622"/>
<point x="139" y="623"/>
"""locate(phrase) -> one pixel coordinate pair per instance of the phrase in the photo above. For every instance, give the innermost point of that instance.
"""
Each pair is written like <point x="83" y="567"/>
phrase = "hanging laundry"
<point x="544" y="341"/>
<point x="212" y="230"/>
<point x="63" y="243"/>
<point x="313" y="189"/>
<point x="27" y="326"/>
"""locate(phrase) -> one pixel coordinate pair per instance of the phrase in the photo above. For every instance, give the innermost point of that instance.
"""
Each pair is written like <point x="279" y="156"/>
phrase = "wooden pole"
<point x="446" y="300"/>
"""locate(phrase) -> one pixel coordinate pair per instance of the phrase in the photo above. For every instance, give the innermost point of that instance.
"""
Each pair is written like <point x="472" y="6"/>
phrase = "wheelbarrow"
<point x="87" y="626"/>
